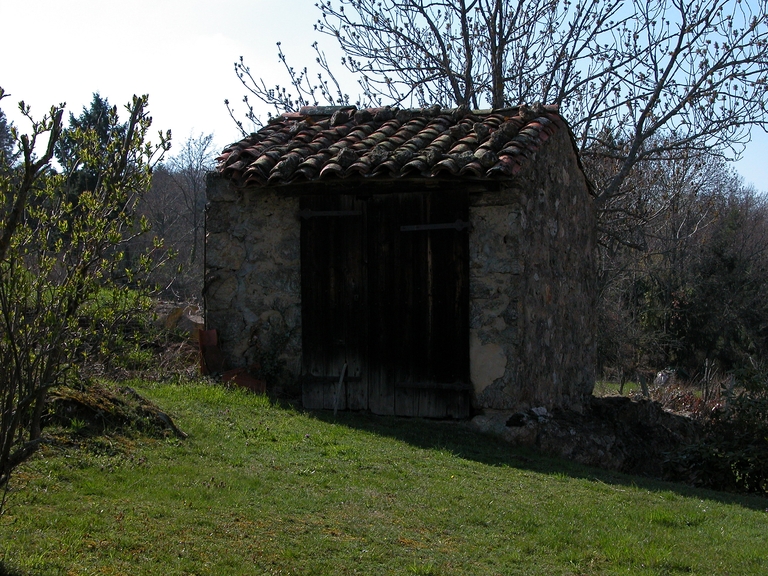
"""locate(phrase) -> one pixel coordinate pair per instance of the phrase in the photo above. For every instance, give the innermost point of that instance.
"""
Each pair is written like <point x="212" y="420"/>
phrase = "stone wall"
<point x="253" y="274"/>
<point x="532" y="278"/>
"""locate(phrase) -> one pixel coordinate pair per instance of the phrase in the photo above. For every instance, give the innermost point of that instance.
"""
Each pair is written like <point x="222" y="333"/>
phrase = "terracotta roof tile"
<point x="339" y="142"/>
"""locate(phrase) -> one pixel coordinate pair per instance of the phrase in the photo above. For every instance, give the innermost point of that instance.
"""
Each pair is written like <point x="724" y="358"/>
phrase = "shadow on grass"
<point x="7" y="571"/>
<point x="459" y="439"/>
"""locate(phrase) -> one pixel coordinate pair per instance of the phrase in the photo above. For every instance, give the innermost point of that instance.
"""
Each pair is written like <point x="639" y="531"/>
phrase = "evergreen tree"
<point x="97" y="121"/>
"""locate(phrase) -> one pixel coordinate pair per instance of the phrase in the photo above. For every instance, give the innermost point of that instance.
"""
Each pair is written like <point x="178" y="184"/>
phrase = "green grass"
<point x="606" y="388"/>
<point x="260" y="489"/>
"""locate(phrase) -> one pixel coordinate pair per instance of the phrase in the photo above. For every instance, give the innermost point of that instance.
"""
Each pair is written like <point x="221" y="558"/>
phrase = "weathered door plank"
<point x="419" y="281"/>
<point x="333" y="300"/>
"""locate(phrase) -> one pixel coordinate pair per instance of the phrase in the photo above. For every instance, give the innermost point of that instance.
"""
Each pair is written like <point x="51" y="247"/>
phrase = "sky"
<point x="181" y="53"/>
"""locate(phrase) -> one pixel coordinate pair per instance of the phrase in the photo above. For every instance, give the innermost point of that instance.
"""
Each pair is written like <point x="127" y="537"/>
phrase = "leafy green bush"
<point x="67" y="282"/>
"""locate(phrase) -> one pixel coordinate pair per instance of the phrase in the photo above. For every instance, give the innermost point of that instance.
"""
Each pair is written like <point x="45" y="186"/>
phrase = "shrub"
<point x="733" y="453"/>
<point x="65" y="277"/>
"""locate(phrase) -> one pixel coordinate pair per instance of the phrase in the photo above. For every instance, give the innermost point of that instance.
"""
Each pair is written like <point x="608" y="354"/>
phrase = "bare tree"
<point x="188" y="169"/>
<point x="175" y="211"/>
<point x="689" y="293"/>
<point x="637" y="79"/>
<point x="657" y="92"/>
<point x="308" y="92"/>
<point x="6" y="141"/>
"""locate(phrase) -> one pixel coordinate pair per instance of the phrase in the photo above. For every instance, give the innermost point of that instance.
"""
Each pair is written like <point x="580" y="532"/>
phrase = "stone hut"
<point x="421" y="262"/>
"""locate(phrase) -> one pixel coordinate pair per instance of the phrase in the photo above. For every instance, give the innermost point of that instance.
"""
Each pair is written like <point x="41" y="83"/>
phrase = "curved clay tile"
<point x="256" y="169"/>
<point x="263" y="166"/>
<point x="345" y="158"/>
<point x="312" y="165"/>
<point x="432" y="155"/>
<point x="336" y="147"/>
<point x="504" y="167"/>
<point x="342" y="131"/>
<point x="320" y="142"/>
<point x="481" y="131"/>
<point x="390" y="127"/>
<point x="485" y="157"/>
<point x="232" y="157"/>
<point x="297" y="130"/>
<point x="284" y="169"/>
<point x="470" y="140"/>
<point x="402" y="155"/>
<point x="379" y="153"/>
<point x="512" y="149"/>
<point x="497" y="141"/>
<point x="408" y="130"/>
<point x="389" y="167"/>
<point x="557" y="120"/>
<point x="434" y="129"/>
<point x="383" y="114"/>
<point x="332" y="169"/>
<point x="363" y="116"/>
<point x="443" y="142"/>
<point x="458" y="131"/>
<point x="252" y="150"/>
<point x="494" y="120"/>
<point x="398" y="139"/>
<point x="414" y="145"/>
<point x="360" y="133"/>
<point x="448" y="165"/>
<point x="460" y="147"/>
<point x="305" y="172"/>
<point x="417" y="165"/>
<point x="276" y="139"/>
<point x="512" y="126"/>
<point x="254" y="179"/>
<point x="375" y="139"/>
<point x="237" y="166"/>
<point x="361" y="167"/>
<point x="474" y="168"/>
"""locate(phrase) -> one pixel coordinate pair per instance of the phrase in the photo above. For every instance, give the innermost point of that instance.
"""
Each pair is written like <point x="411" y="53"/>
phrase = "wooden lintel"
<point x="458" y="225"/>
<point x="307" y="214"/>
<point x="458" y="386"/>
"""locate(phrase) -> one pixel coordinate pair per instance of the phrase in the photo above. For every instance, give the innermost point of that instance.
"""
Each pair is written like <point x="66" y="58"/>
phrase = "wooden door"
<point x="418" y="278"/>
<point x="385" y="290"/>
<point x="333" y="302"/>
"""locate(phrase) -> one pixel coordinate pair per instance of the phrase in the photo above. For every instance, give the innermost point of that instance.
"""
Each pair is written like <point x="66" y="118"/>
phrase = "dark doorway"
<point x="385" y="290"/>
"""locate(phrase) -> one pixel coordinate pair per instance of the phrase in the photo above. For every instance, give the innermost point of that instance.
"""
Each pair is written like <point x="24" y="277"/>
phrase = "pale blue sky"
<point x="180" y="52"/>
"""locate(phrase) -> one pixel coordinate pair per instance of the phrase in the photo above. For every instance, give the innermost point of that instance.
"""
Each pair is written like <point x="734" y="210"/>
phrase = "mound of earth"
<point x="99" y="408"/>
<point x="614" y="433"/>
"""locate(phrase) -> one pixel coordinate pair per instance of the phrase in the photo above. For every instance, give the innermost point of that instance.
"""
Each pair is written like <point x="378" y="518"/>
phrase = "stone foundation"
<point x="614" y="433"/>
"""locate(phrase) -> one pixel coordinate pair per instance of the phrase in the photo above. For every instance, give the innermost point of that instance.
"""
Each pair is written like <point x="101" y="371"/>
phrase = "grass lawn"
<point x="261" y="489"/>
<point x="608" y="388"/>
